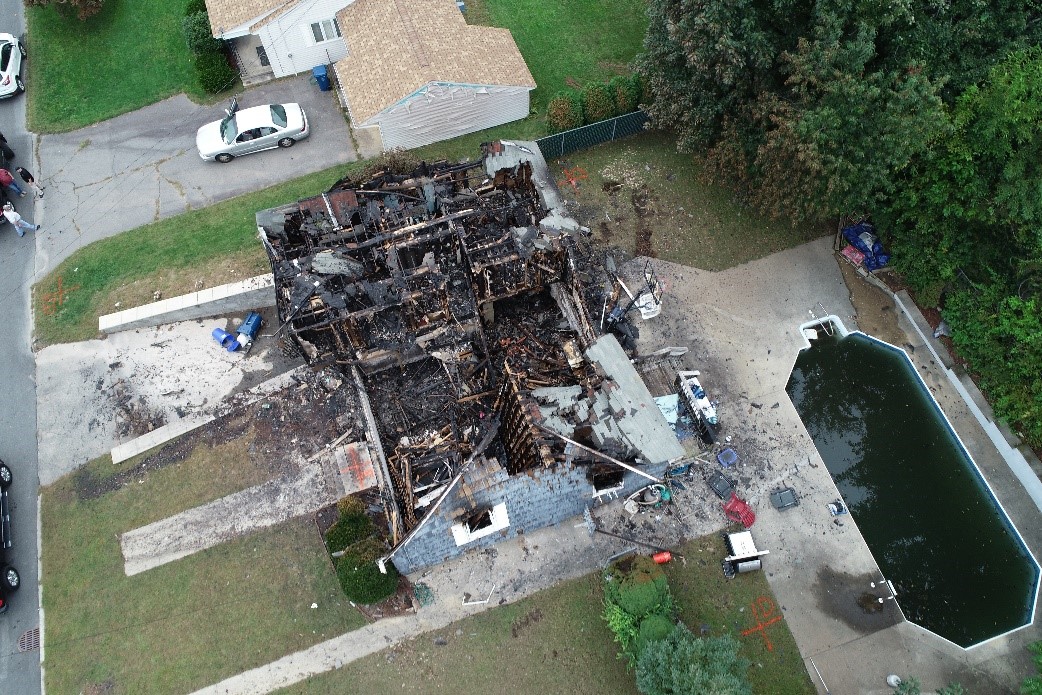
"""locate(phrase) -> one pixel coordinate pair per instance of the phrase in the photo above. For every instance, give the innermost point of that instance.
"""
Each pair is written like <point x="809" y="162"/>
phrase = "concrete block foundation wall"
<point x="534" y="499"/>
<point x="234" y="297"/>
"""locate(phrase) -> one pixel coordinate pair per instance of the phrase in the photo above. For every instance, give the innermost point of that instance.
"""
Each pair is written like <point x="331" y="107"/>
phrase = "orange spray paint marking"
<point x="764" y="614"/>
<point x="574" y="176"/>
<point x="52" y="301"/>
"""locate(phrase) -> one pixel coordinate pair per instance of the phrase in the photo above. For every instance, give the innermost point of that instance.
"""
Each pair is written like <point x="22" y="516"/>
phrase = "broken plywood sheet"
<point x="638" y="418"/>
<point x="354" y="466"/>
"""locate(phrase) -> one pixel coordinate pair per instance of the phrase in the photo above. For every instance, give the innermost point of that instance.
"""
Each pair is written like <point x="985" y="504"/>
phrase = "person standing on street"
<point x="20" y="225"/>
<point x="5" y="149"/>
<point x="7" y="180"/>
<point x="27" y="176"/>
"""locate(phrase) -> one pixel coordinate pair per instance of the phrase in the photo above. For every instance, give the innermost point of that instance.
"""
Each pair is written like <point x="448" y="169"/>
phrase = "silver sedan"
<point x="251" y="130"/>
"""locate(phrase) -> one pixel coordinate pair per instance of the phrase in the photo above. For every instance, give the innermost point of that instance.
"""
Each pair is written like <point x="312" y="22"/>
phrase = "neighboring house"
<point x="275" y="38"/>
<point x="418" y="73"/>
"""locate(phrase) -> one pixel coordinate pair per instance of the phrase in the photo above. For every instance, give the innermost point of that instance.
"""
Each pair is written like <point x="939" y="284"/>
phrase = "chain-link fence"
<point x="569" y="141"/>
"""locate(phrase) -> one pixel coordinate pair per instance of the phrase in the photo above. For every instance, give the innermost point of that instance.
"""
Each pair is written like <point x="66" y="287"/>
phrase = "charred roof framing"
<point x="452" y="291"/>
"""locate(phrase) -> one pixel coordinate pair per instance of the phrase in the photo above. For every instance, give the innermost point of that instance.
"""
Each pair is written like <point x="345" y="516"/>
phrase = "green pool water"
<point x="958" y="565"/>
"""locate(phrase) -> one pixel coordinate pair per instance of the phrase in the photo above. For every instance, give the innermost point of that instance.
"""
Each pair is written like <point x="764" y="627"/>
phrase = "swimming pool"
<point x="936" y="530"/>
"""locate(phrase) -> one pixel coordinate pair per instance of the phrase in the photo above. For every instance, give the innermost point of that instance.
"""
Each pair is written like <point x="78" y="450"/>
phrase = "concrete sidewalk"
<point x="143" y="166"/>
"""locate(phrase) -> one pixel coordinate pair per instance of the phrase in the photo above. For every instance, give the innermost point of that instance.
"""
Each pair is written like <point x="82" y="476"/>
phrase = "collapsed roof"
<point x="455" y="298"/>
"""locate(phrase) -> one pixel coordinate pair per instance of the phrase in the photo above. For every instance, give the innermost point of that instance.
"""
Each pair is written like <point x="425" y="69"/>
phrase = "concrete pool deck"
<point x="741" y="326"/>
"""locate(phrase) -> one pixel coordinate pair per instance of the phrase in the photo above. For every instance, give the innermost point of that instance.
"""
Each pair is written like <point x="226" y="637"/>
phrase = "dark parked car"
<point x="9" y="579"/>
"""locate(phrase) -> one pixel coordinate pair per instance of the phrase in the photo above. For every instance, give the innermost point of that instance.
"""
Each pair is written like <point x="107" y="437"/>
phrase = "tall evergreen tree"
<point x="815" y="106"/>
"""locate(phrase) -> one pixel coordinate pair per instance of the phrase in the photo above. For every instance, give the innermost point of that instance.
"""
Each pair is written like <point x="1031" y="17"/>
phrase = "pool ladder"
<point x="826" y="325"/>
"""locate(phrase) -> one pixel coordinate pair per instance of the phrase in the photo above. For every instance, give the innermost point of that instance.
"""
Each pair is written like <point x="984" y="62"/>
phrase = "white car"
<point x="12" y="57"/>
<point x="251" y="130"/>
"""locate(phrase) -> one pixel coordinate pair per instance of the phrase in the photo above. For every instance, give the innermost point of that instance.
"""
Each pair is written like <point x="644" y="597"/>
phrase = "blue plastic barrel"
<point x="251" y="326"/>
<point x="321" y="75"/>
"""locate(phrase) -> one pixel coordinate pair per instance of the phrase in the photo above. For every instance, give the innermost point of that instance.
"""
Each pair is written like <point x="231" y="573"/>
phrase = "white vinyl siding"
<point x="442" y="112"/>
<point x="289" y="40"/>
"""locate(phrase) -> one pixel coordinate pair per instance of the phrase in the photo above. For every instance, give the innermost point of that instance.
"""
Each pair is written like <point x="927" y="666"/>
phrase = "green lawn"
<point x="568" y="44"/>
<point x="189" y="623"/>
<point x="556" y="642"/>
<point x="129" y="55"/>
<point x="641" y="195"/>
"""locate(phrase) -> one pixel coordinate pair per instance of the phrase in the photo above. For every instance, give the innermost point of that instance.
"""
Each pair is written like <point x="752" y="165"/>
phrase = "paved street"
<point x="100" y="181"/>
<point x="19" y="671"/>
<point x="143" y="166"/>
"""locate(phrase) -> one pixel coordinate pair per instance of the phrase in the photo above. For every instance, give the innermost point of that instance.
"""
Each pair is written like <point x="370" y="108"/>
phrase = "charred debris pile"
<point x="450" y="296"/>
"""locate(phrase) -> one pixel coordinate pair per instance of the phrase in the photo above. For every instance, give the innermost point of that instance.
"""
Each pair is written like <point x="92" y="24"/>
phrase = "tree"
<point x="852" y="124"/>
<point x="815" y="107"/>
<point x="683" y="664"/>
<point x="966" y="212"/>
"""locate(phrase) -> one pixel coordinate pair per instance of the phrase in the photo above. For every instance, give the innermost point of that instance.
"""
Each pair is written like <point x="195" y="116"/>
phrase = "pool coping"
<point x="1005" y="516"/>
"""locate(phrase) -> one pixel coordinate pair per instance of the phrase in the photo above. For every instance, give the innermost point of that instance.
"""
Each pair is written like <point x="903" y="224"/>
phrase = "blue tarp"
<point x="863" y="237"/>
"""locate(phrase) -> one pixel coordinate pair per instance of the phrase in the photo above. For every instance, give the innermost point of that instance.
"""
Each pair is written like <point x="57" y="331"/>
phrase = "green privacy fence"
<point x="569" y="141"/>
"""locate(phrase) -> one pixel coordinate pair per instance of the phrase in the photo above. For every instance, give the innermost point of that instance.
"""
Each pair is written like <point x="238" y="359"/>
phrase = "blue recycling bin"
<point x="321" y="75"/>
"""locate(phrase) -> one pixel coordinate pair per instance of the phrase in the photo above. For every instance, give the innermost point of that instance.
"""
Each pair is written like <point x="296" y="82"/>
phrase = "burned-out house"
<point x="462" y="304"/>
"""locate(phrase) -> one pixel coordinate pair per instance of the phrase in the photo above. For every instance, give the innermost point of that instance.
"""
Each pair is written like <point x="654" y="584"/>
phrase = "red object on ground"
<point x="853" y="255"/>
<point x="738" y="510"/>
<point x="662" y="558"/>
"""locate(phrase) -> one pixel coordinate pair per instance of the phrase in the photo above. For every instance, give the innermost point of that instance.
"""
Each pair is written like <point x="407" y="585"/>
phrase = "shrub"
<point x="195" y="6"/>
<point x="214" y="73"/>
<point x="564" y="112"/>
<point x="653" y="628"/>
<point x="641" y="590"/>
<point x="196" y="28"/>
<point x="348" y="530"/>
<point x="639" y="89"/>
<point x="683" y="664"/>
<point x="361" y="578"/>
<point x="625" y="92"/>
<point x="637" y="605"/>
<point x="597" y="103"/>
<point x="623" y="626"/>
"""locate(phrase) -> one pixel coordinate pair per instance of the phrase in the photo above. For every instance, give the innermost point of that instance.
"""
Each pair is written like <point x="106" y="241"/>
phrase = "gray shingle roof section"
<point x="636" y="417"/>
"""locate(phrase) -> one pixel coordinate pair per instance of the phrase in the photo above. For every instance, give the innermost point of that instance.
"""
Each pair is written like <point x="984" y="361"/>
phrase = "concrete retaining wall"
<point x="234" y="297"/>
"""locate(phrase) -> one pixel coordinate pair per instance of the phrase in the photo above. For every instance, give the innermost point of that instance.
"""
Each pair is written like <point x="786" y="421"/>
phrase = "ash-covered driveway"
<point x="143" y="166"/>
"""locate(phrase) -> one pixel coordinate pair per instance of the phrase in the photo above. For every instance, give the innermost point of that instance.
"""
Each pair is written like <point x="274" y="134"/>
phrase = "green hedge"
<point x="638" y="605"/>
<point x="564" y="112"/>
<point x="627" y="92"/>
<point x="196" y="28"/>
<point x="352" y="526"/>
<point x="596" y="102"/>
<point x="361" y="578"/>
<point x="666" y="657"/>
<point x="214" y="73"/>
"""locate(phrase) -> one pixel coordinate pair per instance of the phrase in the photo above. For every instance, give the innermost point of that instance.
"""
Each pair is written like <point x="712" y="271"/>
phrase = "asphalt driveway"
<point x="143" y="166"/>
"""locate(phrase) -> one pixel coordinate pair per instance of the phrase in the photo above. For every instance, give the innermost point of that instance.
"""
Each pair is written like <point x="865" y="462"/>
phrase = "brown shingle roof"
<point x="225" y="15"/>
<point x="397" y="46"/>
